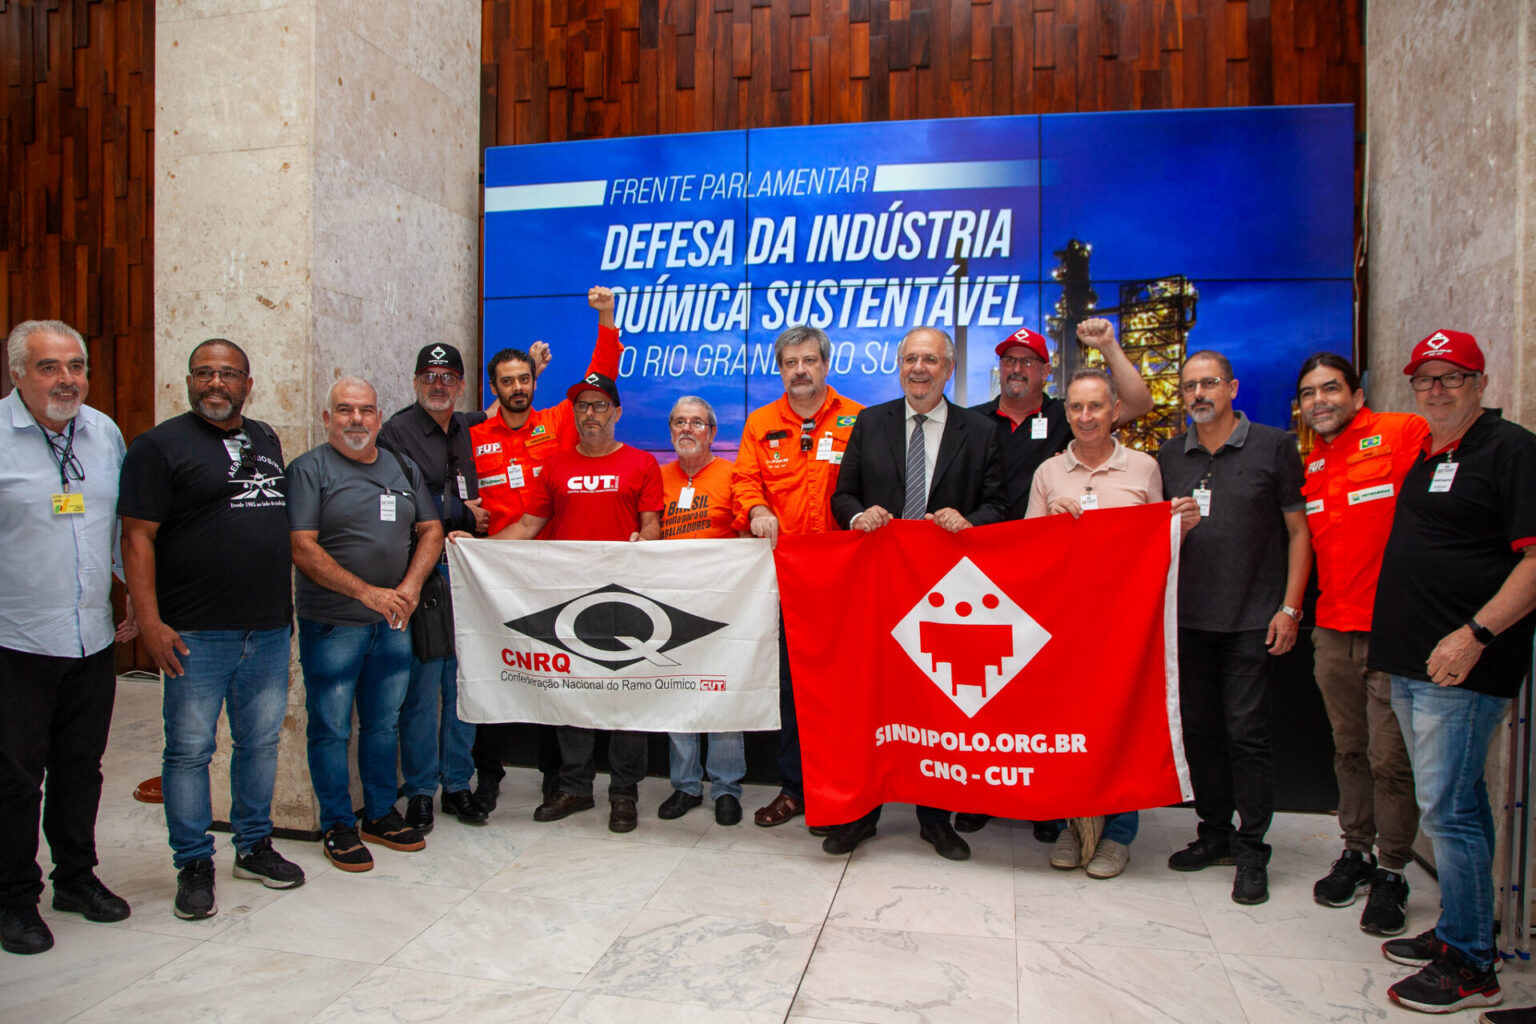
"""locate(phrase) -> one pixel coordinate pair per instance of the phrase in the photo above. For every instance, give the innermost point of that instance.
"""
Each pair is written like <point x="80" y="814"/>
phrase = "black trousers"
<point x="54" y="717"/>
<point x="492" y="740"/>
<point x="578" y="761"/>
<point x="1226" y="699"/>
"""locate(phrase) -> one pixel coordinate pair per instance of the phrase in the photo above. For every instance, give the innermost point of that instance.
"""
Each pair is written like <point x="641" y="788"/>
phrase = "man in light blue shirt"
<point x="59" y="463"/>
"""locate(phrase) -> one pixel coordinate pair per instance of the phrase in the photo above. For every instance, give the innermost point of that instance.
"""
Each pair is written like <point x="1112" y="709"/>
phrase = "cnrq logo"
<point x="616" y="627"/>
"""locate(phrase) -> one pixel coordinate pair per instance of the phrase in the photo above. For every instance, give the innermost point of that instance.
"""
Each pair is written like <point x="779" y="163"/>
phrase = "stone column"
<point x="316" y="201"/>
<point x="1451" y="191"/>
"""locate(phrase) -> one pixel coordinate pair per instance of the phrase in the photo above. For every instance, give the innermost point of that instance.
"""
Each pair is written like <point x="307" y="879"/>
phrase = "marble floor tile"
<point x="588" y="870"/>
<point x="787" y="840"/>
<point x="907" y="887"/>
<point x="524" y="940"/>
<point x="877" y="975"/>
<point x="88" y="963"/>
<point x="588" y="1008"/>
<point x="1148" y="905"/>
<point x="391" y="995"/>
<point x="731" y="883"/>
<point x="350" y="916"/>
<point x="651" y="831"/>
<point x="217" y="984"/>
<point x="458" y="856"/>
<point x="719" y="962"/>
<point x="1103" y="983"/>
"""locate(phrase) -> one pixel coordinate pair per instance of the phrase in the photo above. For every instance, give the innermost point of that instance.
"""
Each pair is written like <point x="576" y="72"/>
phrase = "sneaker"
<point x="1202" y="853"/>
<point x="1067" y="853"/>
<point x="1420" y="950"/>
<point x="392" y="831"/>
<point x="1109" y="859"/>
<point x="345" y="850"/>
<point x="23" y="931"/>
<point x="88" y="897"/>
<point x="268" y="867"/>
<point x="1447" y="983"/>
<point x="1385" y="908"/>
<point x="194" y="891"/>
<point x="1350" y="874"/>
<point x="1251" y="885"/>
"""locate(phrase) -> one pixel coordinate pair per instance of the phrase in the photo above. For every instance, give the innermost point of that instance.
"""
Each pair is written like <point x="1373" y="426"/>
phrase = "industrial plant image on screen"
<point x="1222" y="229"/>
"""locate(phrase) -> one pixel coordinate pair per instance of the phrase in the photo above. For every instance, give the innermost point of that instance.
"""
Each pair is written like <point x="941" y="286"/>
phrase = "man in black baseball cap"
<point x="594" y="382"/>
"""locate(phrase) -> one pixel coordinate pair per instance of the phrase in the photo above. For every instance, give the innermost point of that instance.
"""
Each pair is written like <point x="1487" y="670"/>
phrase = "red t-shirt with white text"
<point x="586" y="498"/>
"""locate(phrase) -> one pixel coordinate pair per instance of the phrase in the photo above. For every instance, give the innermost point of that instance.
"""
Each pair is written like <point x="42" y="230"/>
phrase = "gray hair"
<point x="1095" y="373"/>
<point x="330" y="396"/>
<point x="709" y="410"/>
<point x="16" y="345"/>
<point x="799" y="335"/>
<point x="949" y="343"/>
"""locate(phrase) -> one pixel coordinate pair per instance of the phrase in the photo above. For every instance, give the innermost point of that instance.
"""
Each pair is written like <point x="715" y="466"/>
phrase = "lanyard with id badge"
<point x="62" y="447"/>
<point x="1445" y="474"/>
<point x="1202" y="493"/>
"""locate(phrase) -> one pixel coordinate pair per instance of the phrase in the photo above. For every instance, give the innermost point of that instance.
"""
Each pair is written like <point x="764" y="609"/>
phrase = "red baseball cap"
<point x="1457" y="347"/>
<point x="1032" y="340"/>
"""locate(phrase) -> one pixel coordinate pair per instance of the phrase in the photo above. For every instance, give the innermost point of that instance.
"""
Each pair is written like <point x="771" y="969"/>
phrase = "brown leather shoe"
<point x="622" y="815"/>
<point x="779" y="810"/>
<point x="561" y="805"/>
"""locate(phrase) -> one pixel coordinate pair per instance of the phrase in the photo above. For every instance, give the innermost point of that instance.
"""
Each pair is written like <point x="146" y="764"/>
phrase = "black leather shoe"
<point x="1251" y="885"/>
<point x="1047" y="831"/>
<point x="418" y="813"/>
<point x="971" y="822"/>
<point x="22" y="931"/>
<point x="562" y="805"/>
<point x="846" y="838"/>
<point x="727" y="810"/>
<point x="486" y="793"/>
<point x="622" y="815"/>
<point x="463" y="805"/>
<point x="941" y="835"/>
<point x="89" y="897"/>
<point x="677" y="805"/>
<point x="1201" y="853"/>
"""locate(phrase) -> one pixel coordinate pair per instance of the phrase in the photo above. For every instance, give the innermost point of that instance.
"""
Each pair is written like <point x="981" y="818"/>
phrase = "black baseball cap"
<point x="439" y="356"/>
<point x="595" y="382"/>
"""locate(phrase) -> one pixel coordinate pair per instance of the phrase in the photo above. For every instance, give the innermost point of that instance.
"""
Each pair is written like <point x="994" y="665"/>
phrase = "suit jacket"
<point x="967" y="475"/>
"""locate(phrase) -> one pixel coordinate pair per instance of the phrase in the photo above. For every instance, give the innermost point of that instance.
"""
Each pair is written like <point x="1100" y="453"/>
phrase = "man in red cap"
<point x="1032" y="427"/>
<point x="599" y="490"/>
<point x="1353" y="479"/>
<point x="1452" y="625"/>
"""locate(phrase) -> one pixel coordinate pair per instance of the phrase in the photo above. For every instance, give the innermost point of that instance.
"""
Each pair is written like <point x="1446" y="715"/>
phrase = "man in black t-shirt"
<point x="205" y="549"/>
<point x="434" y="744"/>
<point x="1453" y="625"/>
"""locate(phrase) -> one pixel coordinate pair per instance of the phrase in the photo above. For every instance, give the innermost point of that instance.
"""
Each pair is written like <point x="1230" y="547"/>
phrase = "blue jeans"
<point x="434" y="746"/>
<point x="368" y="664"/>
<point x="1447" y="730"/>
<point x="727" y="763"/>
<point x="247" y="671"/>
<point x="1122" y="827"/>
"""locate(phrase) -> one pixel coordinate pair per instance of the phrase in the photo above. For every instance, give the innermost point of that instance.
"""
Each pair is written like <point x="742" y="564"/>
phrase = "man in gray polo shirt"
<point x="1241" y="579"/>
<point x="352" y="512"/>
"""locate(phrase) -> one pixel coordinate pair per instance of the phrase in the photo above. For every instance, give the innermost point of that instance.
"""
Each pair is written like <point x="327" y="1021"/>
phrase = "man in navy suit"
<point x="919" y="457"/>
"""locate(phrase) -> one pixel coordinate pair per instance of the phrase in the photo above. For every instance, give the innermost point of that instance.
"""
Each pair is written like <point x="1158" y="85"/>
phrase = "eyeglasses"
<point x="205" y="375"/>
<point x="438" y="378"/>
<point x="247" y="455"/>
<point x="678" y="423"/>
<point x="1189" y="387"/>
<point x="63" y="448"/>
<point x="806" y="427"/>
<point x="592" y="406"/>
<point x="1450" y="381"/>
<point x="1022" y="362"/>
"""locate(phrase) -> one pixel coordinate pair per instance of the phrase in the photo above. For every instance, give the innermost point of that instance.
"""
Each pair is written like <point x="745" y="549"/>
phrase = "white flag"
<point x="659" y="636"/>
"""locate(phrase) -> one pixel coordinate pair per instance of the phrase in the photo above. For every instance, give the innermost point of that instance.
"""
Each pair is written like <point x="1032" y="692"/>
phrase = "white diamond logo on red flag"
<point x="969" y="637"/>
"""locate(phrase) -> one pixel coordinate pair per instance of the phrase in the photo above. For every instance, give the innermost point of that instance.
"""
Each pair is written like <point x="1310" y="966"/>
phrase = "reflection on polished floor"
<point x="685" y="921"/>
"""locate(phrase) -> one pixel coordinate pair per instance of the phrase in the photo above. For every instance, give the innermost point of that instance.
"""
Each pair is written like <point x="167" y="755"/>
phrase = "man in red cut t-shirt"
<point x="599" y="490"/>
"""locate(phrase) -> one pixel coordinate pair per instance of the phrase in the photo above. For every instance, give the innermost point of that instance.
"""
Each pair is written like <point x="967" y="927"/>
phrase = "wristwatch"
<point x="1481" y="633"/>
<point x="1294" y="613"/>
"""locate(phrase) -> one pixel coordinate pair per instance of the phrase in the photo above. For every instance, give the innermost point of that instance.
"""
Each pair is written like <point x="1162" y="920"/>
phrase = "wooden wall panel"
<point x="723" y="64"/>
<point x="77" y="211"/>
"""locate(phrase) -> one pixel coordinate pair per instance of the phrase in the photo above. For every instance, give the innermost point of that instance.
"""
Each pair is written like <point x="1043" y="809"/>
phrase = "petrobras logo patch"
<point x="969" y="637"/>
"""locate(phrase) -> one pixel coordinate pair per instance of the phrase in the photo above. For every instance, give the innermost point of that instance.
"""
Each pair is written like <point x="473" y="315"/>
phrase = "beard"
<point x="515" y="403"/>
<point x="63" y="408"/>
<point x="357" y="440"/>
<point x="1203" y="413"/>
<point x="437" y="403"/>
<point x="201" y="404"/>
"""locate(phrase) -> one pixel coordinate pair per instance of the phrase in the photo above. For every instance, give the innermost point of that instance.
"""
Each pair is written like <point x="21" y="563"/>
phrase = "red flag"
<point x="1025" y="670"/>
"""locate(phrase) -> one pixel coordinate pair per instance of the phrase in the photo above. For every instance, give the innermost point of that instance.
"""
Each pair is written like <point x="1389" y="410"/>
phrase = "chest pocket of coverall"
<point x="1366" y="471"/>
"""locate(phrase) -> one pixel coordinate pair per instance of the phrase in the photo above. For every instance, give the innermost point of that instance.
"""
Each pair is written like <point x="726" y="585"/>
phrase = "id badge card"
<point x="69" y="504"/>
<point x="515" y="474"/>
<point x="1088" y="502"/>
<point x="1444" y="474"/>
<point x="463" y="487"/>
<point x="824" y="448"/>
<point x="1037" y="427"/>
<point x="685" y="499"/>
<point x="386" y="508"/>
<point x="1202" y="497"/>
